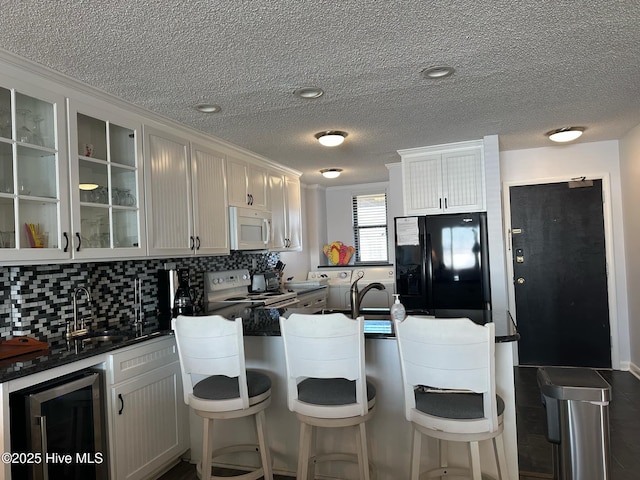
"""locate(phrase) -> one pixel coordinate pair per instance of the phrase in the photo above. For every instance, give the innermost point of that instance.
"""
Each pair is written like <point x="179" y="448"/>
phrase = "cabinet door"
<point x="463" y="182"/>
<point x="168" y="194"/>
<point x="34" y="189"/>
<point x="257" y="187"/>
<point x="422" y="180"/>
<point x="106" y="183"/>
<point x="278" y="212"/>
<point x="210" y="201"/>
<point x="149" y="422"/>
<point x="237" y="183"/>
<point x="294" y="213"/>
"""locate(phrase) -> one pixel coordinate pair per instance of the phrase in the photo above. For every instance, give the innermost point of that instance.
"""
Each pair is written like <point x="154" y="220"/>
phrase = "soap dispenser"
<point x="398" y="312"/>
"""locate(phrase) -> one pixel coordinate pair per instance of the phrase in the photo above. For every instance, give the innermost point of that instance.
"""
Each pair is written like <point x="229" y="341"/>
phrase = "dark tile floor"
<point x="535" y="461"/>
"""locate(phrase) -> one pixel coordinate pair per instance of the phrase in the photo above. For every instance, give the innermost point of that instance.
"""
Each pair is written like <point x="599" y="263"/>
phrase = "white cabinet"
<point x="247" y="183"/>
<point x="186" y="196"/>
<point x="443" y="179"/>
<point x="34" y="188"/>
<point x="106" y="182"/>
<point x="146" y="413"/>
<point x="286" y="215"/>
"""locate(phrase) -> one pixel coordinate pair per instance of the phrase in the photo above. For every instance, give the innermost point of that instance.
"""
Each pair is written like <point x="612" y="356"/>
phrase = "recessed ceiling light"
<point x="331" y="138"/>
<point x="437" y="72"/>
<point x="208" y="108"/>
<point x="565" y="134"/>
<point x="331" y="172"/>
<point x="308" y="92"/>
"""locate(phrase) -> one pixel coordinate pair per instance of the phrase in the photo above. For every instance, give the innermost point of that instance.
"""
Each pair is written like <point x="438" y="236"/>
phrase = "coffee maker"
<point x="175" y="295"/>
<point x="184" y="299"/>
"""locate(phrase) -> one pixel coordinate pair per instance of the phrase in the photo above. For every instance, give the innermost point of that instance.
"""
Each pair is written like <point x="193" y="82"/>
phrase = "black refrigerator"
<point x="442" y="265"/>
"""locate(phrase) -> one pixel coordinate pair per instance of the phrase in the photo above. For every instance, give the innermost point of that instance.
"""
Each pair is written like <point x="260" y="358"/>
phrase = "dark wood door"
<point x="559" y="266"/>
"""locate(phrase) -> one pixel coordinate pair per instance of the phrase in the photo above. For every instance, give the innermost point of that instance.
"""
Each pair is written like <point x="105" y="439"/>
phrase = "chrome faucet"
<point x="75" y="331"/>
<point x="356" y="296"/>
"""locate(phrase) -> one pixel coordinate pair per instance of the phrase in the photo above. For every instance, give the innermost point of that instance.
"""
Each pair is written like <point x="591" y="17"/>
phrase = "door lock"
<point x="519" y="255"/>
<point x="520" y="280"/>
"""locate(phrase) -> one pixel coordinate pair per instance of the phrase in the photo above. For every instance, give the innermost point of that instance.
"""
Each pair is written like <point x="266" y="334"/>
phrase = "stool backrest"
<point x="210" y="345"/>
<point x="325" y="346"/>
<point x="451" y="354"/>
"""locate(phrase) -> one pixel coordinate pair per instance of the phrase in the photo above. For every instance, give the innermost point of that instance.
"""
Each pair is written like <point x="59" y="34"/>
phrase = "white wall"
<point x="630" y="174"/>
<point x="339" y="210"/>
<point x="570" y="161"/>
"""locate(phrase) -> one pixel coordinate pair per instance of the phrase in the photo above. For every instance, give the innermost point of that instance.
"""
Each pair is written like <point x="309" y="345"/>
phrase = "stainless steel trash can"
<point x="577" y="405"/>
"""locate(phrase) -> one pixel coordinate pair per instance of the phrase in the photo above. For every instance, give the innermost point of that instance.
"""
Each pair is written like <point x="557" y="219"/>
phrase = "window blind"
<point x="370" y="227"/>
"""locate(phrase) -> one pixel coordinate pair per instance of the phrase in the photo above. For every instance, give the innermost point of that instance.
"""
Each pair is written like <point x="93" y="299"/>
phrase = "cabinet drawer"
<point x="139" y="359"/>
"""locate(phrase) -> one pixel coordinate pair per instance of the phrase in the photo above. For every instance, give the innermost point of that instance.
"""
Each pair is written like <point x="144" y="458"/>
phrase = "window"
<point x="370" y="227"/>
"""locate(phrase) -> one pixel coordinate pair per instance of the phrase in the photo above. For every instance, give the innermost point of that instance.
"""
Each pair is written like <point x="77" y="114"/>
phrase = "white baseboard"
<point x="635" y="369"/>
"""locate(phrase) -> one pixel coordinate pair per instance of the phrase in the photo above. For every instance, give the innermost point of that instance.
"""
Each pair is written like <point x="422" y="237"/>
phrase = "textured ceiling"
<point x="522" y="68"/>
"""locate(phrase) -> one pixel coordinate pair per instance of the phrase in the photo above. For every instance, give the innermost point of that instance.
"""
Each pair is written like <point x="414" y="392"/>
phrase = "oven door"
<point x="249" y="229"/>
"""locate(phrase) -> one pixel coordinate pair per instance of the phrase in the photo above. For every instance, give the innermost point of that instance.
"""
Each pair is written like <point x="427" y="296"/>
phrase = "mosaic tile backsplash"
<point x="36" y="300"/>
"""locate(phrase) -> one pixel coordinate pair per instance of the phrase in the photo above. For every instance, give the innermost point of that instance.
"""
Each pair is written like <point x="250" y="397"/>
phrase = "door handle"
<point x="121" y="404"/>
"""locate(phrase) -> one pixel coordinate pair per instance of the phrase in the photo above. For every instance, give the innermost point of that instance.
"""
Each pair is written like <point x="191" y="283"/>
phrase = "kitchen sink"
<point x="113" y="336"/>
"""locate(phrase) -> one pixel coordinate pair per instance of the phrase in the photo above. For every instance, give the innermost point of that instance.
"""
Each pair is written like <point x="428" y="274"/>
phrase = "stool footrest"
<point x="252" y="475"/>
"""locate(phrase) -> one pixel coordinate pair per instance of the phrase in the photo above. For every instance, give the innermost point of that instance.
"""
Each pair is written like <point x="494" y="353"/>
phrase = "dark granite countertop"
<point x="265" y="321"/>
<point x="62" y="352"/>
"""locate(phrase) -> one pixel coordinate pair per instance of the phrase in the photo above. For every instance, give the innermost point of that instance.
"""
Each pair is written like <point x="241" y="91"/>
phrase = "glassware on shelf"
<point x="25" y="135"/>
<point x="37" y="131"/>
<point x="5" y="123"/>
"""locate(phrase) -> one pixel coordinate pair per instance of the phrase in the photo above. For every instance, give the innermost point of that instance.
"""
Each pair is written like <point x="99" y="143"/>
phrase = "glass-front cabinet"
<point x="106" y="183"/>
<point x="33" y="175"/>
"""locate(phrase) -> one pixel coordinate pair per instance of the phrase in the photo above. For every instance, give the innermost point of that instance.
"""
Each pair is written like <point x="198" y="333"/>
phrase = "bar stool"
<point x="326" y="384"/>
<point x="217" y="386"/>
<point x="448" y="372"/>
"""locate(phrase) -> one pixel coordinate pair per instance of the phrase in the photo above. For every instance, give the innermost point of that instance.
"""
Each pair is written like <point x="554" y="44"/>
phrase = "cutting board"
<point x="19" y="346"/>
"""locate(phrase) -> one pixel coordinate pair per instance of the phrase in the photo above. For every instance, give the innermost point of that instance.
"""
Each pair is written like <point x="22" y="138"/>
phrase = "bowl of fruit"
<point x="338" y="253"/>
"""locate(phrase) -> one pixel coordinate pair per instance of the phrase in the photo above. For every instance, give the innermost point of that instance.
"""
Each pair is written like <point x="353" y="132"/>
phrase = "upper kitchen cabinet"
<point x="186" y="196"/>
<point x="286" y="214"/>
<point x="34" y="191"/>
<point x="106" y="183"/>
<point x="443" y="179"/>
<point x="247" y="184"/>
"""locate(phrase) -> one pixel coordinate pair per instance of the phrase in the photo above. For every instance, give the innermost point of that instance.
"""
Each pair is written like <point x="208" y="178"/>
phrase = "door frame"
<point x="609" y="251"/>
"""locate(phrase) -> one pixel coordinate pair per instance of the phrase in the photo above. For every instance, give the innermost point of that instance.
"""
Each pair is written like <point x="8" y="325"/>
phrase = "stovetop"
<point x="232" y="286"/>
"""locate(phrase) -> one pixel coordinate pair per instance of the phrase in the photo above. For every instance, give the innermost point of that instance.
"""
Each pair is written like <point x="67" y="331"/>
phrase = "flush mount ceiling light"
<point x="438" y="72"/>
<point x="331" y="138"/>
<point x="331" y="172"/>
<point x="565" y="134"/>
<point x="88" y="186"/>
<point x="208" y="108"/>
<point x="308" y="93"/>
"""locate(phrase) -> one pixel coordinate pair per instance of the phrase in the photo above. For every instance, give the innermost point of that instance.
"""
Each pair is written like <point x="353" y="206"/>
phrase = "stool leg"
<point x="443" y="452"/>
<point x="474" y="448"/>
<point x="501" y="457"/>
<point x="206" y="450"/>
<point x="303" y="453"/>
<point x="363" y="455"/>
<point x="312" y="453"/>
<point x="416" y="451"/>
<point x="265" y="453"/>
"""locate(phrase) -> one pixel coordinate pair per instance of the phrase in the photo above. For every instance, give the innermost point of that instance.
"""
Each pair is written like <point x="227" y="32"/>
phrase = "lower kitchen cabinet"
<point x="146" y="413"/>
<point x="313" y="299"/>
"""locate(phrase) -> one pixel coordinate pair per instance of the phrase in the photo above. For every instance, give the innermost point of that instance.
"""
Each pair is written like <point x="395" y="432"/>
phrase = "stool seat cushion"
<point x="220" y="387"/>
<point x="453" y="405"/>
<point x="331" y="391"/>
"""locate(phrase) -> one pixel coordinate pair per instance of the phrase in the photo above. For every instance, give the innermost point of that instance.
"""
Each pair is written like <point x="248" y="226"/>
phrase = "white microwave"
<point x="249" y="229"/>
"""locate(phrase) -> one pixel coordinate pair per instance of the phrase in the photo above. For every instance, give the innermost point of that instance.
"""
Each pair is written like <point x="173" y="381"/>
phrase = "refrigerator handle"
<point x="429" y="272"/>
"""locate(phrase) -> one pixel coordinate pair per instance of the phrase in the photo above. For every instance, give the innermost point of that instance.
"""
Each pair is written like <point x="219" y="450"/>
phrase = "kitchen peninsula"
<point x="389" y="434"/>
